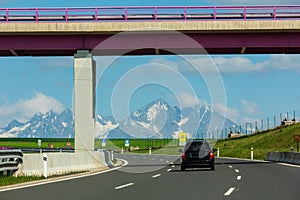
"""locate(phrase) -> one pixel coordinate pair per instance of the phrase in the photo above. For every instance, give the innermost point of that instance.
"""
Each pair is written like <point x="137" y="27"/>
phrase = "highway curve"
<point x="156" y="177"/>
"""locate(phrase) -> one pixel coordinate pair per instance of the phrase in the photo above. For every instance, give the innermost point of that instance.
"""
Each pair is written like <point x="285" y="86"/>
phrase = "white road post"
<point x="251" y="153"/>
<point x="218" y="152"/>
<point x="122" y="151"/>
<point x="112" y="155"/>
<point x="45" y="165"/>
<point x="150" y="151"/>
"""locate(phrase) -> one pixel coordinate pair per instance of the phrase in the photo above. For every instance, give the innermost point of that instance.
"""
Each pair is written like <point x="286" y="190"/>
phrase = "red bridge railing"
<point x="150" y="13"/>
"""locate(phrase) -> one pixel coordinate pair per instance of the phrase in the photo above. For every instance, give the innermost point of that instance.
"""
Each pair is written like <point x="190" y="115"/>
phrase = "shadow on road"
<point x="241" y="162"/>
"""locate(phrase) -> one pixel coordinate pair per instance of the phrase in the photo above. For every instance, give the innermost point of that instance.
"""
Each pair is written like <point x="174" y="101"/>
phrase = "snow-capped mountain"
<point x="160" y="120"/>
<point x="53" y="125"/>
<point x="156" y="120"/>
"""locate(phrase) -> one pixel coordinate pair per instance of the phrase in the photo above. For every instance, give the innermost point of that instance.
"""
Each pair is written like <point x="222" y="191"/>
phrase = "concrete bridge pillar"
<point x="84" y="100"/>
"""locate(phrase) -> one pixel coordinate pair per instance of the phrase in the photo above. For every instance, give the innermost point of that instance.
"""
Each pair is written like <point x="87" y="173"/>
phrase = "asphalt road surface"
<point x="157" y="177"/>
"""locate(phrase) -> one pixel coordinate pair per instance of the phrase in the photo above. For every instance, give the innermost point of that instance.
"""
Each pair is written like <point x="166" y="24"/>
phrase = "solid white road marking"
<point x="169" y="170"/>
<point x="157" y="175"/>
<point x="62" y="179"/>
<point x="123" y="186"/>
<point x="230" y="166"/>
<point x="237" y="171"/>
<point x="289" y="165"/>
<point x="239" y="178"/>
<point x="229" y="191"/>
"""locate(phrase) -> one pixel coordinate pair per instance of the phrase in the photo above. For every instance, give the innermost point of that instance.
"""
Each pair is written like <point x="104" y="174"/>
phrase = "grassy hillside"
<point x="263" y="142"/>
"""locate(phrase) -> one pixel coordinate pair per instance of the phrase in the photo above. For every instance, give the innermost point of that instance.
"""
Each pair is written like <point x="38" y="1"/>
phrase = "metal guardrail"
<point x="150" y="13"/>
<point x="9" y="161"/>
<point x="47" y="150"/>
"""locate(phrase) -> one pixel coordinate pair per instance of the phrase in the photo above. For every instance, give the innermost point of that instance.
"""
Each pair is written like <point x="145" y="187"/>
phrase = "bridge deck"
<point x="149" y="13"/>
<point x="219" y="30"/>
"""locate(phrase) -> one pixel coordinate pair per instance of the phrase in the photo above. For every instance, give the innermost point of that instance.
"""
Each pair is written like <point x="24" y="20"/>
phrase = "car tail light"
<point x="183" y="155"/>
<point x="211" y="154"/>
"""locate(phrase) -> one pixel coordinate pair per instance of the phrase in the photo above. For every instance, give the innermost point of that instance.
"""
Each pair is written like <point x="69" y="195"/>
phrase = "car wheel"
<point x="212" y="167"/>
<point x="182" y="168"/>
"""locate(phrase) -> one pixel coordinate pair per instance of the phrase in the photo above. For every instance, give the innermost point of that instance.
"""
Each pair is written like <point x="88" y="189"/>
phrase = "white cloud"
<point x="187" y="100"/>
<point x="228" y="112"/>
<point x="24" y="109"/>
<point x="250" y="108"/>
<point x="234" y="64"/>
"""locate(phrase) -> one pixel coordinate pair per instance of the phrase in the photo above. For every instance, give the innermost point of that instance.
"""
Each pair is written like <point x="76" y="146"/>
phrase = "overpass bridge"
<point x="218" y="29"/>
<point x="148" y="31"/>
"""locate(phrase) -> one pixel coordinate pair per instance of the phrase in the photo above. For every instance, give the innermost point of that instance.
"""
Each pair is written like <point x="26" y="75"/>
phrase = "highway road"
<point x="156" y="177"/>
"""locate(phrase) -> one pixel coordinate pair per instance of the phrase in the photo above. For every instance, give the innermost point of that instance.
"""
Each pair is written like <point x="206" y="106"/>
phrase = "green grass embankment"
<point x="10" y="180"/>
<point x="279" y="139"/>
<point x="33" y="142"/>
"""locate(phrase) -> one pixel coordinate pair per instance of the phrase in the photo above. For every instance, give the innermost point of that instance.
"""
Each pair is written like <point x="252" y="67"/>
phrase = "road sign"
<point x="103" y="142"/>
<point x="126" y="143"/>
<point x="68" y="144"/>
<point x="182" y="139"/>
<point x="297" y="138"/>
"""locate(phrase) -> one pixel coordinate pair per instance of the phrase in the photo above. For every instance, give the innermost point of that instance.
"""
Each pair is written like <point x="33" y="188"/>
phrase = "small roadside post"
<point x="251" y="153"/>
<point x="39" y="143"/>
<point x="45" y="165"/>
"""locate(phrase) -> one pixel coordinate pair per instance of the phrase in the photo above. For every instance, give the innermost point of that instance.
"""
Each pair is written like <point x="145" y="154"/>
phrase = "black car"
<point x="197" y="154"/>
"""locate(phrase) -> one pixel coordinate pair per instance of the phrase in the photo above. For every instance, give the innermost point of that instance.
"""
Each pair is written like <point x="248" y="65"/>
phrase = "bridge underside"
<point x="148" y="43"/>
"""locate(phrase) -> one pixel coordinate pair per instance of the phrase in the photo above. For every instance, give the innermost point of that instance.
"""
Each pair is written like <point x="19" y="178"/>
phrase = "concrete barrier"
<point x="62" y="163"/>
<point x="285" y="157"/>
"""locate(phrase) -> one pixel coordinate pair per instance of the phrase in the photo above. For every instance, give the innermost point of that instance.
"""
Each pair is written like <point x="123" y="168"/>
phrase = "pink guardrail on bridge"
<point x="150" y="13"/>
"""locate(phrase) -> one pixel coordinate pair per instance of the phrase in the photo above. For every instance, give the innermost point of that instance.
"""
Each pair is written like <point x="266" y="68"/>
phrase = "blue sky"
<point x="254" y="86"/>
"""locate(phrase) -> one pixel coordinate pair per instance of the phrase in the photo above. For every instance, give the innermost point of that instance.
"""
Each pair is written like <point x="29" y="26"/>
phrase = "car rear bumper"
<point x="197" y="163"/>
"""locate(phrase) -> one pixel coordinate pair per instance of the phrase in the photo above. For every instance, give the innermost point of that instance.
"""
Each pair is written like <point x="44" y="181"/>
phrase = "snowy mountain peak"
<point x="151" y="112"/>
<point x="14" y="123"/>
<point x="156" y="120"/>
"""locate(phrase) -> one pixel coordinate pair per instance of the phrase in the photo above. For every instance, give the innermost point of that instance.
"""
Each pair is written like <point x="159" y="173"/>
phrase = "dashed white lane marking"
<point x="161" y="159"/>
<point x="230" y="166"/>
<point x="229" y="191"/>
<point x="153" y="158"/>
<point x="173" y="166"/>
<point x="172" y="163"/>
<point x="239" y="178"/>
<point x="237" y="171"/>
<point x="123" y="186"/>
<point x="167" y="161"/>
<point x="157" y="175"/>
<point x="169" y="170"/>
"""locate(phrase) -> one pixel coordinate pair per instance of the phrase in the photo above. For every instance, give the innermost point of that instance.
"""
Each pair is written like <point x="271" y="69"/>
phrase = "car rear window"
<point x="196" y="146"/>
